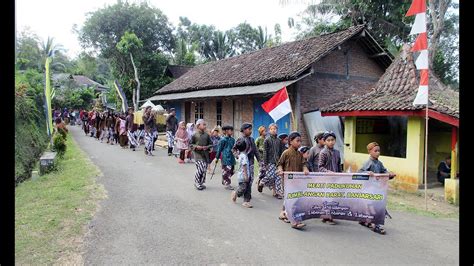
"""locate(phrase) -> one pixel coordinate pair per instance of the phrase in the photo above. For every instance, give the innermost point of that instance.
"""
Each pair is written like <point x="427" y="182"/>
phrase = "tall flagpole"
<point x="426" y="156"/>
<point x="418" y="9"/>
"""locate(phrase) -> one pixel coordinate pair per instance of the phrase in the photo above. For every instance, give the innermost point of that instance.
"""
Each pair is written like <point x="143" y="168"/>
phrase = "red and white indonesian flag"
<point x="279" y="105"/>
<point x="418" y="9"/>
<point x="422" y="94"/>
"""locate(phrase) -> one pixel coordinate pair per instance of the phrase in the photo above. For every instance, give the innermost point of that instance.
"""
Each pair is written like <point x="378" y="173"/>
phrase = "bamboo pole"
<point x="295" y="123"/>
<point x="426" y="157"/>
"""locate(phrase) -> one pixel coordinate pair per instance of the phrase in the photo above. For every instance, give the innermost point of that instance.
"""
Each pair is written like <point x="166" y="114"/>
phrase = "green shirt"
<point x="259" y="142"/>
<point x="201" y="139"/>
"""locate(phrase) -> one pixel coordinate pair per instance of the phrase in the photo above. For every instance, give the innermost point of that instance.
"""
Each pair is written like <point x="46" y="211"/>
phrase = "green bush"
<point x="59" y="144"/>
<point x="31" y="138"/>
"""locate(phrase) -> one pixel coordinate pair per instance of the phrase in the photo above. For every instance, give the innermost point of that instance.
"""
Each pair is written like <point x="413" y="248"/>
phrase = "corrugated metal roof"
<point x="234" y="91"/>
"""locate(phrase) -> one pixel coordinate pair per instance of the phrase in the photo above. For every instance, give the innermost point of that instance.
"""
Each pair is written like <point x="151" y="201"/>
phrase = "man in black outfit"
<point x="171" y="127"/>
<point x="444" y="170"/>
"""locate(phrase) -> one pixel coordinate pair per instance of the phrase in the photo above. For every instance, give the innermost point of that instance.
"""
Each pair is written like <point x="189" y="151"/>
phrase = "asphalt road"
<point x="154" y="215"/>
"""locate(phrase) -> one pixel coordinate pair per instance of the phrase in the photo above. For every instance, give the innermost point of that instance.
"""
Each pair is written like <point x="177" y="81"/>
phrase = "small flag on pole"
<point x="422" y="60"/>
<point x="421" y="43"/>
<point x="419" y="26"/>
<point x="422" y="94"/>
<point x="279" y="105"/>
<point x="416" y="7"/>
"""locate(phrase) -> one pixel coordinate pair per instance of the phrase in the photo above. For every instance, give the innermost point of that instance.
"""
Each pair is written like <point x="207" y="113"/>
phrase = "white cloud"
<point x="56" y="18"/>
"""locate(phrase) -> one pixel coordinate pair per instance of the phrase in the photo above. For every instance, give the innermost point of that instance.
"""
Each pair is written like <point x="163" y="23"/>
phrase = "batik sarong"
<point x="170" y="137"/>
<point x="132" y="139"/>
<point x="271" y="175"/>
<point x="200" y="176"/>
<point x="227" y="173"/>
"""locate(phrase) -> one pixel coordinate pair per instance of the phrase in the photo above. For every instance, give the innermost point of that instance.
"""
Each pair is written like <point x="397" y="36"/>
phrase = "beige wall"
<point x="409" y="170"/>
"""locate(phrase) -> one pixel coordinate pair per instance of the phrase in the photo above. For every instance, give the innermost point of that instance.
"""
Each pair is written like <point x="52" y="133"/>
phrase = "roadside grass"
<point x="415" y="203"/>
<point x="51" y="212"/>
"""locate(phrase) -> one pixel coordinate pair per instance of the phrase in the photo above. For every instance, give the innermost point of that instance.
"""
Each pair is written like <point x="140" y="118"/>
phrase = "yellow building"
<point x="386" y="115"/>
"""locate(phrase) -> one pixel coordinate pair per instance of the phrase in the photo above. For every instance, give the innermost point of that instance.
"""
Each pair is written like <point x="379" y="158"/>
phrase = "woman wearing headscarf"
<point x="182" y="141"/>
<point x="190" y="130"/>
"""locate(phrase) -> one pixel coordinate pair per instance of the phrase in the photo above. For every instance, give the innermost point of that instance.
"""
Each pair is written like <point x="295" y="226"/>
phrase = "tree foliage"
<point x="212" y="44"/>
<point x="96" y="68"/>
<point x="30" y="123"/>
<point x="386" y="21"/>
<point x="104" y="28"/>
<point x="31" y="53"/>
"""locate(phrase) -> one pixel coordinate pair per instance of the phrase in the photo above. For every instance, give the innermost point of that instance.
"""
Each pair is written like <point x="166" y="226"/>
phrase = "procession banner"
<point x="346" y="196"/>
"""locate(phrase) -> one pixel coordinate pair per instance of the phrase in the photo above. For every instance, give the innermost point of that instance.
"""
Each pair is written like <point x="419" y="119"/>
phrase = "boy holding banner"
<point x="374" y="166"/>
<point x="314" y="152"/>
<point x="329" y="161"/>
<point x="292" y="161"/>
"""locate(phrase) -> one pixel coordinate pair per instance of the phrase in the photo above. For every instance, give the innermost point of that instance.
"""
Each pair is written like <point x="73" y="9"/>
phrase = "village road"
<point x="154" y="215"/>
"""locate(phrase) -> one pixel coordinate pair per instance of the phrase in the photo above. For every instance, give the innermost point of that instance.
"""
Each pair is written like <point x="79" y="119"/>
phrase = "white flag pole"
<point x="426" y="155"/>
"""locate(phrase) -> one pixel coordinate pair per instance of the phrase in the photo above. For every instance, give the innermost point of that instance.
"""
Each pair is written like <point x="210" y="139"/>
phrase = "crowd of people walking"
<point x="194" y="143"/>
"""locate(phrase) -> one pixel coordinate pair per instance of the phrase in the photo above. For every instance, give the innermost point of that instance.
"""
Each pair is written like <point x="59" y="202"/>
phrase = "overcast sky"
<point x="56" y="18"/>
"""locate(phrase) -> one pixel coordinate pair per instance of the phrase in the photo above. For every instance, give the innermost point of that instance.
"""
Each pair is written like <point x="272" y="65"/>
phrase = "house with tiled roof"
<point x="78" y="81"/>
<point x="176" y="71"/>
<point x="316" y="72"/>
<point x="386" y="115"/>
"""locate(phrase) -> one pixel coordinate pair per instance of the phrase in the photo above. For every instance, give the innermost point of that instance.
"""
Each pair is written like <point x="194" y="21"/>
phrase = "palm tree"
<point x="262" y="38"/>
<point x="222" y="46"/>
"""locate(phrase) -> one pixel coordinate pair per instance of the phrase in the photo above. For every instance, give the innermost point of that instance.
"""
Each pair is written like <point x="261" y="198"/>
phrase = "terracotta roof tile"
<point x="272" y="64"/>
<point x="396" y="90"/>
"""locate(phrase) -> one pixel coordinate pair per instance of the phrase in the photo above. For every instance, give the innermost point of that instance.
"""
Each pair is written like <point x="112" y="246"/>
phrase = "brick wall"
<point x="359" y="62"/>
<point x="325" y="88"/>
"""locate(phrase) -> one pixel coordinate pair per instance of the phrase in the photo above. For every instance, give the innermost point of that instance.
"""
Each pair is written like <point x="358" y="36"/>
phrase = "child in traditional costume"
<point x="283" y="141"/>
<point x="271" y="154"/>
<point x="182" y="141"/>
<point x="259" y="142"/>
<point x="215" y="138"/>
<point x="251" y="149"/>
<point x="292" y="160"/>
<point x="374" y="166"/>
<point x="224" y="149"/>
<point x="329" y="161"/>
<point x="245" y="178"/>
<point x="313" y="158"/>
